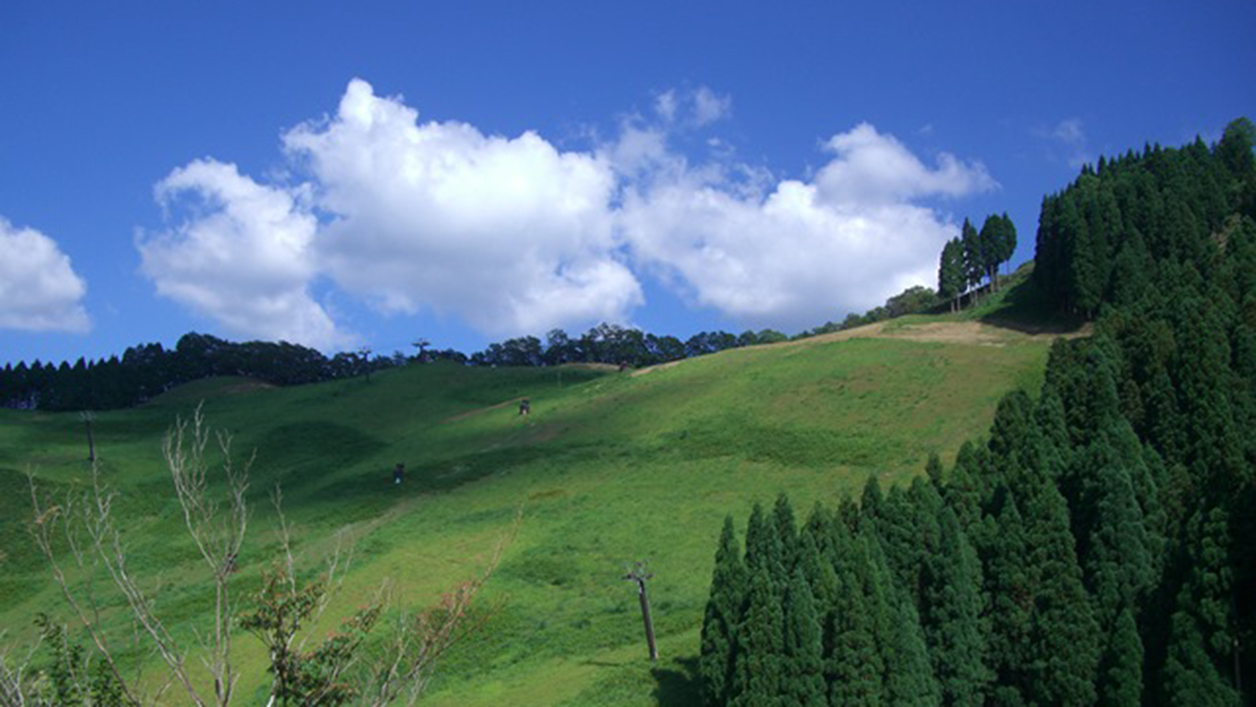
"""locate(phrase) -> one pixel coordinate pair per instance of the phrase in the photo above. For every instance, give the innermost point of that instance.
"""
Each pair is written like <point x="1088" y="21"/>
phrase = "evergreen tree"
<point x="803" y="661"/>
<point x="967" y="487"/>
<point x="952" y="278"/>
<point x="900" y="541"/>
<point x="1117" y="559"/>
<point x="786" y="529"/>
<point x="951" y="619"/>
<point x="1132" y="272"/>
<point x="878" y="593"/>
<point x="1010" y="606"/>
<point x="991" y="242"/>
<point x="909" y="675"/>
<point x="1208" y="592"/>
<point x="1052" y="429"/>
<point x="1085" y="266"/>
<point x="1190" y="676"/>
<point x="763" y="544"/>
<point x="760" y="644"/>
<point x="1121" y="671"/>
<point x="974" y="262"/>
<point x="870" y="502"/>
<point x="817" y="560"/>
<point x="1064" y="637"/>
<point x="1006" y="246"/>
<point x="934" y="470"/>
<point x="926" y="505"/>
<point x="1235" y="148"/>
<point x="855" y="663"/>
<point x="1012" y="432"/>
<point x="723" y="610"/>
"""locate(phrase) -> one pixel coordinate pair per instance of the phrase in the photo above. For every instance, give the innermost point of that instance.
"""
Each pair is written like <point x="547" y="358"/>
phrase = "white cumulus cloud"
<point x="806" y="251"/>
<point x="39" y="290"/>
<point x="509" y="234"/>
<point x="873" y="168"/>
<point x="513" y="235"/>
<point x="242" y="256"/>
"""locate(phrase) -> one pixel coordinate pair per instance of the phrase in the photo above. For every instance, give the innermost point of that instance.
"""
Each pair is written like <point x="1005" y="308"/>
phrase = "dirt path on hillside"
<point x="974" y="333"/>
<point x="978" y="333"/>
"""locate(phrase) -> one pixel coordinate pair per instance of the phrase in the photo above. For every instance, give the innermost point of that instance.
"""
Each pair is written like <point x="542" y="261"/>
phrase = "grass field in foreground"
<point x="609" y="468"/>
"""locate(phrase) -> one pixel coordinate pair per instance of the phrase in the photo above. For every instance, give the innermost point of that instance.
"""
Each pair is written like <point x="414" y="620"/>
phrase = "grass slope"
<point x="609" y="468"/>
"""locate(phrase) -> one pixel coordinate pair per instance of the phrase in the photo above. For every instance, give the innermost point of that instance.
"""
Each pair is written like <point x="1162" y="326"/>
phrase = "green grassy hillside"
<point x="609" y="468"/>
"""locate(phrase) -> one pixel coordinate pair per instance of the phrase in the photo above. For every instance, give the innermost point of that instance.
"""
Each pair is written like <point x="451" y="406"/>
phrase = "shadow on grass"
<point x="677" y="688"/>
<point x="1026" y="310"/>
<point x="438" y="475"/>
<point x="602" y="663"/>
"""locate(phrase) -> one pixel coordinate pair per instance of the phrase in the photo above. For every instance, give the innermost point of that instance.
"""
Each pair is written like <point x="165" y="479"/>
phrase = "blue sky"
<point x="466" y="171"/>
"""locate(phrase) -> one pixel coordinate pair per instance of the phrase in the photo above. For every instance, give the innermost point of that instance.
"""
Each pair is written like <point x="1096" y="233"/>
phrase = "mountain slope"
<point x="608" y="468"/>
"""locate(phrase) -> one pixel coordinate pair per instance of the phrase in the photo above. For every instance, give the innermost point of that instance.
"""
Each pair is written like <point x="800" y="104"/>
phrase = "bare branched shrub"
<point x="16" y="681"/>
<point x="218" y="532"/>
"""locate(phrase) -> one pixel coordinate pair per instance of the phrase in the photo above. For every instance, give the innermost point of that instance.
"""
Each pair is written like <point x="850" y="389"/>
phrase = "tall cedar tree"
<point x="1010" y="600"/>
<point x="815" y="561"/>
<point x="1121" y="671"/>
<point x="803" y="664"/>
<point x="870" y="502"/>
<point x="1064" y="636"/>
<point x="1117" y="561"/>
<point x="968" y="484"/>
<point x="974" y="263"/>
<point x="1006" y="246"/>
<point x="991" y="245"/>
<point x="1190" y="675"/>
<point x="786" y="528"/>
<point x="763" y="545"/>
<point x="719" y="623"/>
<point x="855" y="661"/>
<point x="926" y="506"/>
<point x="900" y="539"/>
<point x="1202" y="626"/>
<point x="908" y="677"/>
<point x="878" y="597"/>
<point x="759" y="653"/>
<point x="951" y="276"/>
<point x="952" y="616"/>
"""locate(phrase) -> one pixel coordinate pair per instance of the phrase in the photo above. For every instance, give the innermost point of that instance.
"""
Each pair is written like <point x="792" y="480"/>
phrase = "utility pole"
<point x="87" y="416"/>
<point x="639" y="575"/>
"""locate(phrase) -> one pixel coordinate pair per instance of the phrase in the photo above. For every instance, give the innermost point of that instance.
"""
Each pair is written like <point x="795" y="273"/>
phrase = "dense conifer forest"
<point x="1096" y="547"/>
